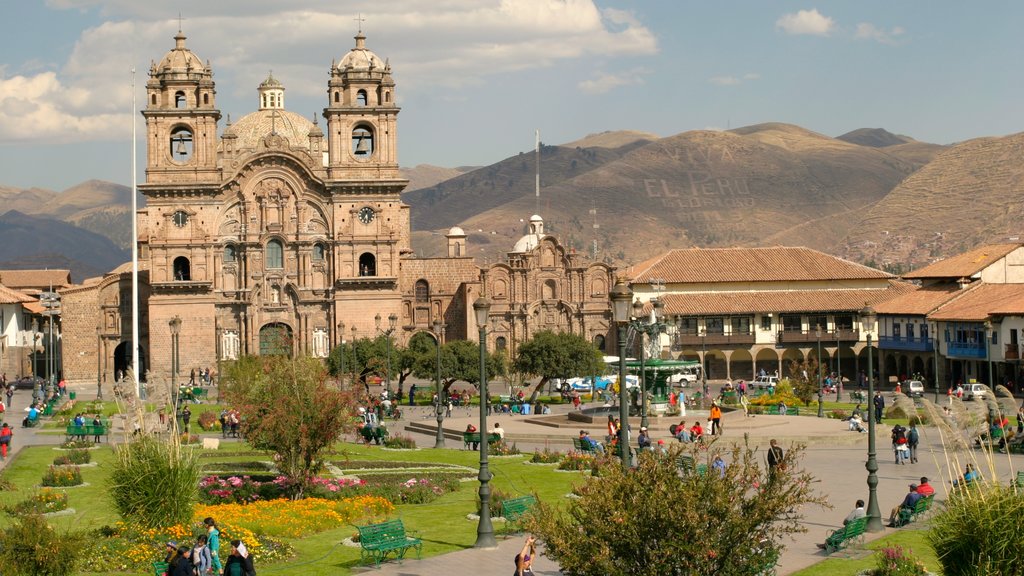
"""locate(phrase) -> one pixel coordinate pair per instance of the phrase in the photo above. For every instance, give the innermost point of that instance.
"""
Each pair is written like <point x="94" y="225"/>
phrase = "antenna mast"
<point x="135" y="256"/>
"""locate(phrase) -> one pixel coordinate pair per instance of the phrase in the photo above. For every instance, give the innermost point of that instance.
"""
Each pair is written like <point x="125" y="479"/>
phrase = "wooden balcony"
<point x="1011" y="352"/>
<point x="731" y="339"/>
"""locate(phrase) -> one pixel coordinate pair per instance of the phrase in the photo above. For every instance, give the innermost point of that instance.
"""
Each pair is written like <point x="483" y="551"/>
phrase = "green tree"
<point x="557" y="355"/>
<point x="364" y="357"/>
<point x="653" y="521"/>
<point x="414" y="359"/>
<point x="289" y="408"/>
<point x="805" y="387"/>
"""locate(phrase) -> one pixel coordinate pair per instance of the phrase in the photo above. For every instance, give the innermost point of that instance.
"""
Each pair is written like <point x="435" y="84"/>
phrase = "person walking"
<point x="716" y="419"/>
<point x="202" y="560"/>
<point x="899" y="444"/>
<point x="879" y="404"/>
<point x="186" y="417"/>
<point x="775" y="457"/>
<point x="913" y="439"/>
<point x="5" y="440"/>
<point x="213" y="543"/>
<point x="10" y="394"/>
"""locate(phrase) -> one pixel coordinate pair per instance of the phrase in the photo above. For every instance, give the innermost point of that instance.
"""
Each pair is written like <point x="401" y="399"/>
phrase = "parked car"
<point x="763" y="382"/>
<point x="915" y="388"/>
<point x="974" y="392"/>
<point x="29" y="382"/>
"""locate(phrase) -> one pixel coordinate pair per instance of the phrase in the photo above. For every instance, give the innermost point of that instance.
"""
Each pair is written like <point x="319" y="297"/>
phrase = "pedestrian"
<point x="718" y="464"/>
<point x="470" y="429"/>
<point x="524" y="560"/>
<point x="5" y="440"/>
<point x="201" y="557"/>
<point x="239" y="562"/>
<point x="1020" y="420"/>
<point x="858" y="512"/>
<point x="224" y="423"/>
<point x="97" y="426"/>
<point x="412" y="395"/>
<point x="181" y="564"/>
<point x="908" y="503"/>
<point x="716" y="419"/>
<point x="644" y="439"/>
<point x="913" y="438"/>
<point x="775" y="458"/>
<point x="186" y="417"/>
<point x="879" y="404"/>
<point x="10" y="394"/>
<point x="213" y="542"/>
<point x="899" y="444"/>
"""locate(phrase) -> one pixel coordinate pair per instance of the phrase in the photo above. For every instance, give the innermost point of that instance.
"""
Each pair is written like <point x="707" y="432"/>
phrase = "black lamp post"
<point x="392" y="324"/>
<point x="821" y="393"/>
<point x="99" y="365"/>
<point x="439" y="440"/>
<point x="935" y="349"/>
<point x="175" y="325"/>
<point x="868" y="318"/>
<point x="839" y="367"/>
<point x="355" y="331"/>
<point x="484" y="530"/>
<point x="988" y="352"/>
<point x="621" y="296"/>
<point x="703" y="366"/>
<point x="341" y="333"/>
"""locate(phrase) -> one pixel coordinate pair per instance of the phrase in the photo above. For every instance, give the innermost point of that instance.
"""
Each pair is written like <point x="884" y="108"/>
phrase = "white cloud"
<point x="432" y="44"/>
<point x="730" y="80"/>
<point x="868" y="31"/>
<point x="809" y="22"/>
<point x="605" y="82"/>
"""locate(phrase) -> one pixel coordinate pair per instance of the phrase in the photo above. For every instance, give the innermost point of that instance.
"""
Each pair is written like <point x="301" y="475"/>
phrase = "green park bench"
<point x="513" y="510"/>
<point x="858" y="396"/>
<point x="583" y="447"/>
<point x="687" y="465"/>
<point x="470" y="438"/>
<point x="1018" y="482"/>
<point x="160" y="568"/>
<point x="730" y="397"/>
<point x="376" y="541"/>
<point x="921" y="507"/>
<point x="376" y="434"/>
<point x="841" y="537"/>
<point x="86" y="431"/>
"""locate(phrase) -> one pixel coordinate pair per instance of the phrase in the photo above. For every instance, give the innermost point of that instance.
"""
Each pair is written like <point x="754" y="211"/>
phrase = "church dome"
<point x="271" y="82"/>
<point x="361" y="58"/>
<point x="531" y="240"/>
<point x="181" y="59"/>
<point x="456" y="231"/>
<point x="252" y="128"/>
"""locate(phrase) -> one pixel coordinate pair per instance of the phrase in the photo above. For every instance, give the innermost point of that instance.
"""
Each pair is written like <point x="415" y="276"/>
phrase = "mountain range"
<point x="868" y="195"/>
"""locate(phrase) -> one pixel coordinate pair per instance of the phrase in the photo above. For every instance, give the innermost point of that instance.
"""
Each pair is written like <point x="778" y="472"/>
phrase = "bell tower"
<point x="361" y="117"/>
<point x="181" y="119"/>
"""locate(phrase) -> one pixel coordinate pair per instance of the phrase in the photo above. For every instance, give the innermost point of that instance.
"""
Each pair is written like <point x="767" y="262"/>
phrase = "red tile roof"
<point x="920" y="301"/>
<point x="780" y="301"/>
<point x="964" y="265"/>
<point x="983" y="301"/>
<point x="39" y="279"/>
<point x="9" y="296"/>
<point x="793" y="264"/>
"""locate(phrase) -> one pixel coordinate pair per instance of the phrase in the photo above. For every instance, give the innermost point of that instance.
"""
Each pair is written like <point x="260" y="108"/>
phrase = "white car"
<point x="974" y="392"/>
<point x="763" y="382"/>
<point x="915" y="388"/>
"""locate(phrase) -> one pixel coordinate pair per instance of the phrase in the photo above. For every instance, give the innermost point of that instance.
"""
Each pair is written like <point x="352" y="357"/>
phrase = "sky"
<point x="476" y="78"/>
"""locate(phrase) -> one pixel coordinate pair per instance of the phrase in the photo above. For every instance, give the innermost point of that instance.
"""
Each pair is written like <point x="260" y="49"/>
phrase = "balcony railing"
<point x="966" y="350"/>
<point x="732" y="339"/>
<point x="811" y="336"/>
<point x="1011" y="352"/>
<point x="918" y="343"/>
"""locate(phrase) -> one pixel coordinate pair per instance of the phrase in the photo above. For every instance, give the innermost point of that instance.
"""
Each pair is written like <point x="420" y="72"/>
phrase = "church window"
<point x="181" y="144"/>
<point x="229" y="254"/>
<point x="152" y="99"/>
<point x="179" y="99"/>
<point x="422" y="291"/>
<point x="182" y="271"/>
<point x="367" y="264"/>
<point x="361" y="98"/>
<point x="387" y="97"/>
<point x="599" y="342"/>
<point x="362" y="142"/>
<point x="337" y="97"/>
<point x="263" y="100"/>
<point x="500" y="343"/>
<point x="206" y="99"/>
<point x="318" y="252"/>
<point x="458" y="250"/>
<point x="275" y="254"/>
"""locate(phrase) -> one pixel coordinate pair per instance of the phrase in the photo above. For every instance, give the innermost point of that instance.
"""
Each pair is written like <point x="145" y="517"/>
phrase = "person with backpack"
<point x="913" y="438"/>
<point x="899" y="444"/>
<point x="5" y="440"/>
<point x="202" y="559"/>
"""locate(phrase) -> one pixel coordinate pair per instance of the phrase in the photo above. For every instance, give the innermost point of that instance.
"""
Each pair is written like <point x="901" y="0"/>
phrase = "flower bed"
<point x="75" y="456"/>
<point x="546" y="457"/>
<point x="574" y="461"/>
<point x="62" y="476"/>
<point x="45" y="501"/>
<point x="298" y="518"/>
<point x="76" y="444"/>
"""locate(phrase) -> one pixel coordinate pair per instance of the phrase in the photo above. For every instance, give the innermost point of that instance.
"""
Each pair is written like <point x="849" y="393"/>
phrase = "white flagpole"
<point x="536" y="209"/>
<point x="135" y="256"/>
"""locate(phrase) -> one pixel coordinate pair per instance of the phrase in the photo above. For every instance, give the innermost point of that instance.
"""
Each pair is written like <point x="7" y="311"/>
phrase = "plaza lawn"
<point x="911" y="540"/>
<point x="442" y="524"/>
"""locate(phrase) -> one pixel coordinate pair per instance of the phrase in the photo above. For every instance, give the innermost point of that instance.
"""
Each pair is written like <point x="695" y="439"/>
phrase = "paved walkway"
<point x="835" y="456"/>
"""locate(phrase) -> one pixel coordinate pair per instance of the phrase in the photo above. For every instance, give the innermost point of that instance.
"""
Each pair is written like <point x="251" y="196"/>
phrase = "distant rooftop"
<point x="964" y="265"/>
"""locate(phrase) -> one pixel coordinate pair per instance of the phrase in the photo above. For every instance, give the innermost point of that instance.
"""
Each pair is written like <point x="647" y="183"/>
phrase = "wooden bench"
<point x="513" y="510"/>
<point x="921" y="507"/>
<point x="841" y="537"/>
<point x="88" y="430"/>
<point x="376" y="541"/>
<point x="469" y="438"/>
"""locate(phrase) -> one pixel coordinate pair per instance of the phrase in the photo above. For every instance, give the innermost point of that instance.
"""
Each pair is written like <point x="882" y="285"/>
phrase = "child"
<point x="202" y="559"/>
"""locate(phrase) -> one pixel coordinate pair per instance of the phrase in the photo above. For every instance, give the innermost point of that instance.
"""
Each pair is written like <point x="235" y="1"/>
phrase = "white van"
<point x="915" y="388"/>
<point x="764" y="382"/>
<point x="685" y="376"/>
<point x="974" y="392"/>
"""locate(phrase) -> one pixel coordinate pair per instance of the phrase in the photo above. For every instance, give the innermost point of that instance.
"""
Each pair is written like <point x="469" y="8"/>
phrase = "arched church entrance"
<point x="276" y="340"/>
<point x="123" y="361"/>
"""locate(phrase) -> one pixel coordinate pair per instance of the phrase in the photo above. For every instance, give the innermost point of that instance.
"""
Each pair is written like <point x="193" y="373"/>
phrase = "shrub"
<point x="154" y="482"/>
<point x="502" y="448"/>
<point x="62" y="476"/>
<point x="498" y="497"/>
<point x="189" y="439"/>
<point x="400" y="441"/>
<point x="208" y="421"/>
<point x="76" y="456"/>
<point x="42" y="502"/>
<point x="31" y="547"/>
<point x="73" y="443"/>
<point x="576" y="461"/>
<point x="546" y="457"/>
<point x="838" y="414"/>
<point x="895" y="561"/>
<point x="977" y="532"/>
<point x="919" y="420"/>
<point x="895" y="412"/>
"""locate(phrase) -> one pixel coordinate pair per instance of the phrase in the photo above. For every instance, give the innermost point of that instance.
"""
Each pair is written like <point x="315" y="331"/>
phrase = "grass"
<point x="442" y="524"/>
<point x="909" y="539"/>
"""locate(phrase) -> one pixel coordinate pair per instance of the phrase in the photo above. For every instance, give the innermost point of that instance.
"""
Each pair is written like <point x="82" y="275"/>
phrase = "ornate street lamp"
<point x="99" y="365"/>
<point x="621" y="296"/>
<point x="821" y="394"/>
<point x="392" y="324"/>
<point x="988" y="352"/>
<point x="484" y="530"/>
<point x="868" y="319"/>
<point x="438" y="408"/>
<point x="935" y="349"/>
<point x="839" y="367"/>
<point x="341" y="332"/>
<point x="175" y="325"/>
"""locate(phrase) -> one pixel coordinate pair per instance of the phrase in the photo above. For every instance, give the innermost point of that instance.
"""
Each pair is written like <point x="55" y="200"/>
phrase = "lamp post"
<point x="621" y="296"/>
<point x="935" y="349"/>
<point x="821" y="393"/>
<point x="353" y="367"/>
<point x="392" y="323"/>
<point x="988" y="352"/>
<point x="175" y="325"/>
<point x="438" y="409"/>
<point x="341" y="371"/>
<point x="868" y="318"/>
<point x="703" y="366"/>
<point x="99" y="361"/>
<point x="839" y="367"/>
<point x="484" y="530"/>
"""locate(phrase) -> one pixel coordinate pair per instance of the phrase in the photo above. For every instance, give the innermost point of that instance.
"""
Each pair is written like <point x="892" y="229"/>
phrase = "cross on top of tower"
<point x="359" y="21"/>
